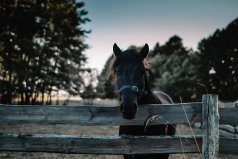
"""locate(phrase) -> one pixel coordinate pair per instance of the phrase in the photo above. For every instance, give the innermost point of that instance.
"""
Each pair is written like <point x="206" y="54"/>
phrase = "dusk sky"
<point x="136" y="22"/>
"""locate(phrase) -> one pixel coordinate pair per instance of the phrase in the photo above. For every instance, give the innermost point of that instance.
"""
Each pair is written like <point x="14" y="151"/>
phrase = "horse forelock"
<point x="127" y="56"/>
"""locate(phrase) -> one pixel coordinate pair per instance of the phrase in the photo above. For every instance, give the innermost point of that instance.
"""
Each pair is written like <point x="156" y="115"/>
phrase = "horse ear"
<point x="116" y="50"/>
<point x="144" y="51"/>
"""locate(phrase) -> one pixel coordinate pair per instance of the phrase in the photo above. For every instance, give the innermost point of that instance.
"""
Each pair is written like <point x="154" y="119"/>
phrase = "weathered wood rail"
<point x="98" y="144"/>
<point x="228" y="131"/>
<point x="108" y="144"/>
<point x="110" y="116"/>
<point x="95" y="115"/>
<point x="206" y="112"/>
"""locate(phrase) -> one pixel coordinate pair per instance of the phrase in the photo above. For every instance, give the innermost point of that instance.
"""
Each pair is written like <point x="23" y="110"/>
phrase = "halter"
<point x="134" y="89"/>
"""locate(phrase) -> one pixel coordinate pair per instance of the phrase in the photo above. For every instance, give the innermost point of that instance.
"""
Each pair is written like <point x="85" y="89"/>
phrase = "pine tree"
<point x="219" y="54"/>
<point x="42" y="44"/>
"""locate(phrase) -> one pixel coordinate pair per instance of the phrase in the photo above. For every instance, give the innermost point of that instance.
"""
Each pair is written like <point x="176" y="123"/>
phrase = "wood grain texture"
<point x="98" y="144"/>
<point x="107" y="144"/>
<point x="95" y="115"/>
<point x="111" y="116"/>
<point x="228" y="116"/>
<point x="228" y="104"/>
<point x="207" y="111"/>
<point x="210" y="146"/>
<point x="228" y="131"/>
<point x="228" y="146"/>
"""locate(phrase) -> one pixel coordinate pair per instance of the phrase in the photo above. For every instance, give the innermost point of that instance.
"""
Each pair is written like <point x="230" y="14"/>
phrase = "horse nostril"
<point x="128" y="110"/>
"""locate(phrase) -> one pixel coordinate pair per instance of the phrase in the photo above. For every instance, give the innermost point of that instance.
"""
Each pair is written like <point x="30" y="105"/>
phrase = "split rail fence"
<point x="207" y="112"/>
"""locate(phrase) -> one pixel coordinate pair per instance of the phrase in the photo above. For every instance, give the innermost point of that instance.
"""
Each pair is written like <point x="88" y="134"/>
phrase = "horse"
<point x="130" y="70"/>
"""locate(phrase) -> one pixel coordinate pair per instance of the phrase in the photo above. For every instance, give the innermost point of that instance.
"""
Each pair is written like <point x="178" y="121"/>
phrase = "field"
<point x="79" y="130"/>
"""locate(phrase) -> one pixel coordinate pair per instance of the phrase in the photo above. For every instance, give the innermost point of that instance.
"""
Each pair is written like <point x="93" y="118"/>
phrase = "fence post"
<point x="210" y="119"/>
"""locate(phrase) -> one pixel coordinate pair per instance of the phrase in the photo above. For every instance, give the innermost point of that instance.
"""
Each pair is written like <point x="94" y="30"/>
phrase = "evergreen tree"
<point x="219" y="54"/>
<point x="42" y="44"/>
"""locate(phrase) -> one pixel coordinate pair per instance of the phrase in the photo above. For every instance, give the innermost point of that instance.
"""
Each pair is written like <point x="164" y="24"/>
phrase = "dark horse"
<point x="130" y="69"/>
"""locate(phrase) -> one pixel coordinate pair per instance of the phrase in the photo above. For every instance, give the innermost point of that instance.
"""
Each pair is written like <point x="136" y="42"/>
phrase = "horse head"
<point x="129" y="68"/>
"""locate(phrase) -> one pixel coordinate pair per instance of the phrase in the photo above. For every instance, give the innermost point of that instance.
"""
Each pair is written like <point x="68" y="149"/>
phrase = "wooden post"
<point x="210" y="147"/>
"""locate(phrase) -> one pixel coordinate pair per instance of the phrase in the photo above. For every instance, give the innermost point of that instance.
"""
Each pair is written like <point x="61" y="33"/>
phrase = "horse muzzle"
<point x="128" y="110"/>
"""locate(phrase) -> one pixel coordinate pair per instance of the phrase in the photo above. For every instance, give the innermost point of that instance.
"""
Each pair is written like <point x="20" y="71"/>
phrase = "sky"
<point x="136" y="22"/>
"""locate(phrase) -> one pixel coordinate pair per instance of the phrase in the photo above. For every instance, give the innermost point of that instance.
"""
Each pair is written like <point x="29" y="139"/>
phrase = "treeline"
<point x="41" y="49"/>
<point x="41" y="53"/>
<point x="187" y="74"/>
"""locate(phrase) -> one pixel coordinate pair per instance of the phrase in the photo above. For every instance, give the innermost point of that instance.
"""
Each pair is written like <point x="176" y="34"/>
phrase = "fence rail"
<point x="109" y="144"/>
<point x="110" y="116"/>
<point x="99" y="144"/>
<point x="205" y="112"/>
<point x="95" y="115"/>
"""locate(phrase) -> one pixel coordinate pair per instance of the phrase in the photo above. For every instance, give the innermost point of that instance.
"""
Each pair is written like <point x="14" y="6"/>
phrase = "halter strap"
<point x="133" y="88"/>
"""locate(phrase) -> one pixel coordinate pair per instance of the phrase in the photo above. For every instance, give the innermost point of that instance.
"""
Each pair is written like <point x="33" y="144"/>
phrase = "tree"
<point x="175" y="70"/>
<point x="89" y="91"/>
<point x="106" y="85"/>
<point x="42" y="44"/>
<point x="219" y="57"/>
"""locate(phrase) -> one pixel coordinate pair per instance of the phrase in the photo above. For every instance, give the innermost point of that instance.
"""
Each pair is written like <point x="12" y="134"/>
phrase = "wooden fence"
<point x="206" y="112"/>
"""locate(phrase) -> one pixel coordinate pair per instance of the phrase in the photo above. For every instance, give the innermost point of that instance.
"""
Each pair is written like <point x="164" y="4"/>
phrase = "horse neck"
<point x="149" y="98"/>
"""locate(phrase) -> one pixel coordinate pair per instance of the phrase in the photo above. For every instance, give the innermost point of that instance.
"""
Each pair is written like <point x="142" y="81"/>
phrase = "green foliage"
<point x="41" y="48"/>
<point x="89" y="89"/>
<point x="89" y="92"/>
<point x="219" y="54"/>
<point x="175" y="70"/>
<point x="106" y="85"/>
<point x="181" y="72"/>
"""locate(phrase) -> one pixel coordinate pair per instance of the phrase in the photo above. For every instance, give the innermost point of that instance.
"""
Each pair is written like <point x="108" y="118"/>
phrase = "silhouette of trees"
<point x="106" y="86"/>
<point x="175" y="69"/>
<point x="180" y="71"/>
<point x="41" y="49"/>
<point x="90" y="78"/>
<point x="219" y="62"/>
